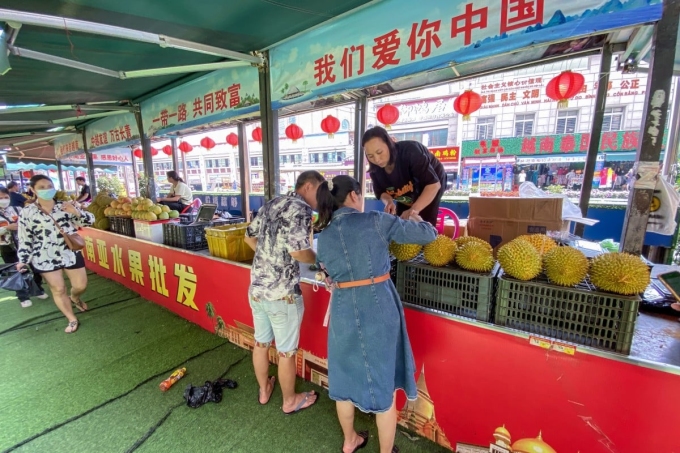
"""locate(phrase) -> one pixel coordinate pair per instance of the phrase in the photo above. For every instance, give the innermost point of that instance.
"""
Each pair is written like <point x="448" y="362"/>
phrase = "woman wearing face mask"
<point x="42" y="245"/>
<point x="9" y="218"/>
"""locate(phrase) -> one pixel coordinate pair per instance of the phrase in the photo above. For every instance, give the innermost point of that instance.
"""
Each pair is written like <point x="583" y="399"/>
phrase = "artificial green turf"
<point x="49" y="378"/>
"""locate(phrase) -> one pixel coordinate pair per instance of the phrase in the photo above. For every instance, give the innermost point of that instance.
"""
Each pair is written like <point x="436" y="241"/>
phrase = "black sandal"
<point x="80" y="305"/>
<point x="363" y="435"/>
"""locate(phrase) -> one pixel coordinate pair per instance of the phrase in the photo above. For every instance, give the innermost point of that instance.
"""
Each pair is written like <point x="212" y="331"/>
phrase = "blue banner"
<point x="395" y="38"/>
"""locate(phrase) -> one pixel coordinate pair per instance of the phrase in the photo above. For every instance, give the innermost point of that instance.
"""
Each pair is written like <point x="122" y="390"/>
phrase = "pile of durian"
<point x="468" y="252"/>
<point x="525" y="257"/>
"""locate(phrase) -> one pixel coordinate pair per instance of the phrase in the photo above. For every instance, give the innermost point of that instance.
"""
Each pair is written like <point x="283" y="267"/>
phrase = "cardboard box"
<point x="500" y="220"/>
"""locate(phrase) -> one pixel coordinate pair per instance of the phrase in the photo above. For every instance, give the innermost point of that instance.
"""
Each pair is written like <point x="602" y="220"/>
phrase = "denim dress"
<point x="369" y="353"/>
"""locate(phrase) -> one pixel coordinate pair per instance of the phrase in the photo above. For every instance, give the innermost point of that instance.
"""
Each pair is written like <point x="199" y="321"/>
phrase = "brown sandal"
<point x="72" y="326"/>
<point x="80" y="305"/>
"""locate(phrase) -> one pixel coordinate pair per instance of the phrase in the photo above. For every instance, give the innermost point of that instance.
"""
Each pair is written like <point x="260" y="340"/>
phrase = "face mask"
<point x="47" y="194"/>
<point x="4" y="203"/>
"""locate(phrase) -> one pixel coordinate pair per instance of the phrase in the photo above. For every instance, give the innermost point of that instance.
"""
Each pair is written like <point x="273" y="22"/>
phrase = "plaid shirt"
<point x="283" y="225"/>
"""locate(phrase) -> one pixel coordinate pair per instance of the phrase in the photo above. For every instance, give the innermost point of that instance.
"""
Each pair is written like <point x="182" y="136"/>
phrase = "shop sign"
<point x="66" y="145"/>
<point x="110" y="157"/>
<point x="446" y="154"/>
<point x="216" y="96"/>
<point x="425" y="110"/>
<point x="115" y="130"/>
<point x="557" y="159"/>
<point x="549" y="144"/>
<point x="359" y="51"/>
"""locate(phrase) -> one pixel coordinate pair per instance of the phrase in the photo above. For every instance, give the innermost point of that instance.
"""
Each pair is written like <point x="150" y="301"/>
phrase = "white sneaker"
<point x="26" y="303"/>
<point x="43" y="296"/>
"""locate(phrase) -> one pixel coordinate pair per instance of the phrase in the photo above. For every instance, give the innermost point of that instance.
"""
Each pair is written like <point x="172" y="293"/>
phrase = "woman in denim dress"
<point x="369" y="353"/>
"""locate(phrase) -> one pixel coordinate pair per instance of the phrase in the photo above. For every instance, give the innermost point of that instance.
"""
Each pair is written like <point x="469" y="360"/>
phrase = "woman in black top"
<point x="405" y="172"/>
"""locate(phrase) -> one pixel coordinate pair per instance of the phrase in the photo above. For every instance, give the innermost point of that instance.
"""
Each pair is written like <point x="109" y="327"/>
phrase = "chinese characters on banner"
<point x="424" y="110"/>
<point x="217" y="95"/>
<point x="549" y="144"/>
<point x="446" y="154"/>
<point x="102" y="158"/>
<point x="429" y="34"/>
<point x="112" y="130"/>
<point x="64" y="146"/>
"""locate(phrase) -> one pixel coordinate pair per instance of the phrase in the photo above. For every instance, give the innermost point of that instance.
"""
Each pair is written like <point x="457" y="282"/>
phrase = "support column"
<point x="671" y="157"/>
<point x="270" y="134"/>
<point x="360" y="120"/>
<point x="175" y="160"/>
<point x="60" y="173"/>
<point x="654" y="123"/>
<point x="595" y="133"/>
<point x="147" y="159"/>
<point x="244" y="170"/>
<point x="90" y="168"/>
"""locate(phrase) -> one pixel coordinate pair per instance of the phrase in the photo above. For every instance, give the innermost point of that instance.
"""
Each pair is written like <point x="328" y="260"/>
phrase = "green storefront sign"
<point x="551" y="144"/>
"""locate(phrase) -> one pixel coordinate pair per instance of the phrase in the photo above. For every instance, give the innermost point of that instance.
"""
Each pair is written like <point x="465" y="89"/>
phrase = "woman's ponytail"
<point x="325" y="205"/>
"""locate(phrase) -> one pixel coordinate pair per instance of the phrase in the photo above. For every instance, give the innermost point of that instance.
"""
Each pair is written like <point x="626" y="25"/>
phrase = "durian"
<point x="520" y="259"/>
<point x="619" y="273"/>
<point x="565" y="266"/>
<point x="463" y="240"/>
<point x="475" y="256"/>
<point x="405" y="252"/>
<point x="441" y="251"/>
<point x="541" y="242"/>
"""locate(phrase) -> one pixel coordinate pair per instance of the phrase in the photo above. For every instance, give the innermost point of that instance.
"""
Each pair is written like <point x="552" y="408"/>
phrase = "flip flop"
<point x="72" y="326"/>
<point x="299" y="407"/>
<point x="271" y="379"/>
<point x="363" y="435"/>
<point x="395" y="449"/>
<point x="80" y="305"/>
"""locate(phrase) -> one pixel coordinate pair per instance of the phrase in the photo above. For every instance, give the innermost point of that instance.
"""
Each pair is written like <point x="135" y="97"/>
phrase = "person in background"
<point x="180" y="195"/>
<point x="16" y="199"/>
<point x="369" y="353"/>
<point x="570" y="178"/>
<point x="9" y="221"/>
<point x="85" y="196"/>
<point x="522" y="177"/>
<point x="281" y="235"/>
<point x="42" y="245"/>
<point x="405" y="172"/>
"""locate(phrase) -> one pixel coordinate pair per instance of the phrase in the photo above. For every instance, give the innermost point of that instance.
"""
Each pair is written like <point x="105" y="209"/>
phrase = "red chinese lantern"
<point x="232" y="139"/>
<point x="294" y="132"/>
<point x="467" y="103"/>
<point x="167" y="150"/>
<point x="330" y="125"/>
<point x="388" y="115"/>
<point x="564" y="87"/>
<point x="257" y="134"/>
<point x="208" y="143"/>
<point x="185" y="147"/>
<point x="27" y="174"/>
<point x="154" y="151"/>
<point x="138" y="153"/>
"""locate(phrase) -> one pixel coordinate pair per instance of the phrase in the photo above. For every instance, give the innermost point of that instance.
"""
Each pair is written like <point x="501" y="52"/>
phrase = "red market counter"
<point x="477" y="378"/>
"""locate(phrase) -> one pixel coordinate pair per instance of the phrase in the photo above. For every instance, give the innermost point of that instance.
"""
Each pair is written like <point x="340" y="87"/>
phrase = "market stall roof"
<point x="56" y="60"/>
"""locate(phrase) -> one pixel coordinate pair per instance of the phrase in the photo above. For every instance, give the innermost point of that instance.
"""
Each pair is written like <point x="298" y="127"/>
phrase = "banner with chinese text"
<point x="549" y="144"/>
<point x="118" y="156"/>
<point x="445" y="154"/>
<point x="395" y="38"/>
<point x="68" y="144"/>
<point x="112" y="131"/>
<point x="216" y="96"/>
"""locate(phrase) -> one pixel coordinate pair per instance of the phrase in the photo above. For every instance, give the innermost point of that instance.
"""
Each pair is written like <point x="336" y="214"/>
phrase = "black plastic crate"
<point x="447" y="289"/>
<point x="579" y="315"/>
<point x="122" y="225"/>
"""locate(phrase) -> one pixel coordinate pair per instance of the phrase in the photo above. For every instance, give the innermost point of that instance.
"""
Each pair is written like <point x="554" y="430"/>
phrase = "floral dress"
<point x="40" y="241"/>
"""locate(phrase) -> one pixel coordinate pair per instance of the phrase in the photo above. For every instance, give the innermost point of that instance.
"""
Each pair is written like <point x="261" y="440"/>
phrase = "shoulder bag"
<point x="73" y="241"/>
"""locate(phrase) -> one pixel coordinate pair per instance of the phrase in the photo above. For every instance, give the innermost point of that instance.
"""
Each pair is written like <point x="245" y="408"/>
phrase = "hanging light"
<point x="232" y="139"/>
<point x="208" y="143"/>
<point x="167" y="150"/>
<point x="257" y="134"/>
<point x="388" y="115"/>
<point x="564" y="87"/>
<point x="467" y="103"/>
<point x="294" y="132"/>
<point x="185" y="147"/>
<point x="330" y="125"/>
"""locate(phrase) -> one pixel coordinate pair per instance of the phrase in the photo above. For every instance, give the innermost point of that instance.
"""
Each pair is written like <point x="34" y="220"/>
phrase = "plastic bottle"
<point x="174" y="377"/>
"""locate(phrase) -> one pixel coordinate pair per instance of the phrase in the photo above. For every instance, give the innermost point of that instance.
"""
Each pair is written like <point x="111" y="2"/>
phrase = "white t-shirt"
<point x="184" y="192"/>
<point x="522" y="177"/>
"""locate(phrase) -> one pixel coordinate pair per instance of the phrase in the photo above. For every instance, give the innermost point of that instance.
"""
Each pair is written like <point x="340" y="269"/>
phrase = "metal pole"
<point x="595" y="132"/>
<point x="175" y="161"/>
<point x="90" y="167"/>
<point x="61" y="175"/>
<point x="244" y="170"/>
<point x="671" y="158"/>
<point x="653" y="126"/>
<point x="134" y="173"/>
<point x="270" y="135"/>
<point x="147" y="159"/>
<point x="360" y="121"/>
